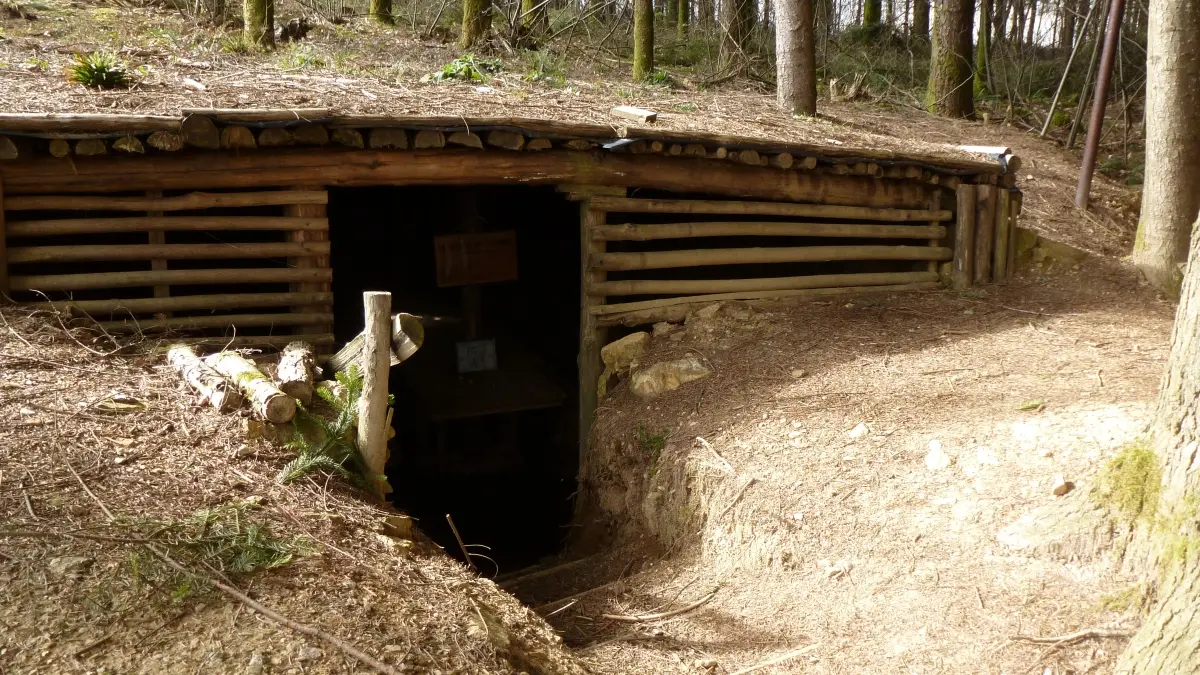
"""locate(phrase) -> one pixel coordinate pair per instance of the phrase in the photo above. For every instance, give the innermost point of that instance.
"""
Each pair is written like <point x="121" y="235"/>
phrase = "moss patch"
<point x="1131" y="482"/>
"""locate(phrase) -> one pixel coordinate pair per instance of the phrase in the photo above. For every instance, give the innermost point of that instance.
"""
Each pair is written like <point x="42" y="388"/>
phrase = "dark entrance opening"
<point x="486" y="414"/>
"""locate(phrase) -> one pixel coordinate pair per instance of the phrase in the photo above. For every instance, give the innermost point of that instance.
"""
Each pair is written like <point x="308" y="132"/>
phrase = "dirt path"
<point x="819" y="531"/>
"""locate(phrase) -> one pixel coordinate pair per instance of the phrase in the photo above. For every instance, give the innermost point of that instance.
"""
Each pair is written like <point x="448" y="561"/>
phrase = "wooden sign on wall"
<point x="476" y="258"/>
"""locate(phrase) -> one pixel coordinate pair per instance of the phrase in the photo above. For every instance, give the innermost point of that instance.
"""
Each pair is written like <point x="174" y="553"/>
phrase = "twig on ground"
<point x="639" y="618"/>
<point x="1076" y="636"/>
<point x="736" y="498"/>
<point x="25" y="495"/>
<point x="779" y="659"/>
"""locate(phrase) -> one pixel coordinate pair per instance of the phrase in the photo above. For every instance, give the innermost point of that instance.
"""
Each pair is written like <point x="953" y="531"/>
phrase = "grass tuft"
<point x="467" y="67"/>
<point x="1130" y="483"/>
<point x="99" y="70"/>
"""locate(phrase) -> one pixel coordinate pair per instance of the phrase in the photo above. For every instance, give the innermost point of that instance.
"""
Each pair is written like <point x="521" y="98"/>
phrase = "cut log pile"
<point x="28" y="135"/>
<point x="226" y="380"/>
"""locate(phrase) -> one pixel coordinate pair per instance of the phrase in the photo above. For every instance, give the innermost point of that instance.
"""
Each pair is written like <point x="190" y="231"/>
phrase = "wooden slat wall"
<point x="292" y="241"/>
<point x="923" y="232"/>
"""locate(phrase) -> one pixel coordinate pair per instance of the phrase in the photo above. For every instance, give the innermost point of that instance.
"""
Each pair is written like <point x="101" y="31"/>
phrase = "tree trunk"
<point x="1032" y="23"/>
<point x="1171" y="194"/>
<point x="1066" y="24"/>
<point x="684" y="18"/>
<point x="258" y="19"/>
<point x="890" y="17"/>
<point x="296" y="371"/>
<point x="999" y="20"/>
<point x="1017" y="29"/>
<point x="643" y="39"/>
<point x="535" y="17"/>
<point x="949" y="93"/>
<point x="733" y="42"/>
<point x="871" y="11"/>
<point x="795" y="51"/>
<point x="476" y="19"/>
<point x="920" y="22"/>
<point x="983" y="48"/>
<point x="381" y="11"/>
<point x="213" y="389"/>
<point x="671" y="15"/>
<point x="1169" y="640"/>
<point x="265" y="398"/>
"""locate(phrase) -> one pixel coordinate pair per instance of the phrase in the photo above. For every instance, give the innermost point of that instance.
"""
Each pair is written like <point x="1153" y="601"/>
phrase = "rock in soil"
<point x="619" y="355"/>
<point x="70" y="566"/>
<point x="667" y="376"/>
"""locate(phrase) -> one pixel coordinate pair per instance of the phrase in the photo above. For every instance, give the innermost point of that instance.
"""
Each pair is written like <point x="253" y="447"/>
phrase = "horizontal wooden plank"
<point x="259" y="115"/>
<point x="649" y="260"/>
<point x="649" y="311"/>
<point x="641" y="232"/>
<point x="76" y="282"/>
<point x="187" y="202"/>
<point x="318" y="339"/>
<point x="182" y="303"/>
<point x="86" y="123"/>
<point x="34" y="254"/>
<point x="35" y="228"/>
<point x="219" y="321"/>
<point x="708" y="286"/>
<point x="739" y="208"/>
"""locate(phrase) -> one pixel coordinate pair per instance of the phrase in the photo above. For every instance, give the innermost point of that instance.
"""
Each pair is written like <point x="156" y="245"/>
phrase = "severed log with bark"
<point x="213" y="389"/>
<point x="408" y="334"/>
<point x="266" y="400"/>
<point x="296" y="371"/>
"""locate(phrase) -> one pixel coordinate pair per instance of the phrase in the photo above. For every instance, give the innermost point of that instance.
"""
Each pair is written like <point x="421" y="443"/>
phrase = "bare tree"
<point x="1171" y="194"/>
<point x="258" y="19"/>
<point x="983" y="48"/>
<point x="381" y="11"/>
<point x="643" y="39"/>
<point x="920" y="23"/>
<point x="796" y="60"/>
<point x="476" y="19"/>
<point x="950" y="93"/>
<point x="738" y="19"/>
<point x="871" y="13"/>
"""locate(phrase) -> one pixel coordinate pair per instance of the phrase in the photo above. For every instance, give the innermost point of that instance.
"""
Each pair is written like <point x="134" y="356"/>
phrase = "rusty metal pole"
<point x="1112" y="36"/>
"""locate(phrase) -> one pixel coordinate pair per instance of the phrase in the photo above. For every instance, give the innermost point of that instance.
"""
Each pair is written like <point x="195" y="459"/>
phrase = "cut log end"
<point x="165" y="141"/>
<point x="280" y="409"/>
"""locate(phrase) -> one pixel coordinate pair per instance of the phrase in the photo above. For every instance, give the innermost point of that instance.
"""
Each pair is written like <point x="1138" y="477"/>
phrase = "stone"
<point x="706" y="664"/>
<point x="70" y="566"/>
<point x="708" y="312"/>
<point x="663" y="328"/>
<point x="309" y="654"/>
<point x="1062" y="486"/>
<point x="937" y="459"/>
<point x="799" y="373"/>
<point x="619" y="356"/>
<point x="667" y="376"/>
<point x="860" y="430"/>
<point x="256" y="664"/>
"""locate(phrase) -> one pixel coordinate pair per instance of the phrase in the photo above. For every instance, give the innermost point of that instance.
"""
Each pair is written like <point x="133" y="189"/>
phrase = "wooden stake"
<point x="1000" y="247"/>
<point x="8" y="149"/>
<point x="964" y="238"/>
<point x="3" y="246"/>
<point x="373" y="403"/>
<point x="591" y="335"/>
<point x="985" y="221"/>
<point x="1014" y="204"/>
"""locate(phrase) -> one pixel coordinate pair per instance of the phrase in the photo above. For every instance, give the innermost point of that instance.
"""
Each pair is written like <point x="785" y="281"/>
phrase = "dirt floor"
<point x="801" y="483"/>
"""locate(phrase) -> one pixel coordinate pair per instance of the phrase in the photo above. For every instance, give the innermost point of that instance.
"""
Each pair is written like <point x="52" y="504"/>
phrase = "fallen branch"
<point x="213" y="388"/>
<point x="1075" y="637"/>
<point x="779" y="659"/>
<point x="638" y="618"/>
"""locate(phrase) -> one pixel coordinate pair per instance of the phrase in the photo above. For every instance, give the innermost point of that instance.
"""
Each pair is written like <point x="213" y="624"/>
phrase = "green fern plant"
<point x="327" y="445"/>
<point x="99" y="70"/>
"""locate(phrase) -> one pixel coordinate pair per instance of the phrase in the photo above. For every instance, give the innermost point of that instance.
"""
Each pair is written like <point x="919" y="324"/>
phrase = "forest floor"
<point x="793" y="482"/>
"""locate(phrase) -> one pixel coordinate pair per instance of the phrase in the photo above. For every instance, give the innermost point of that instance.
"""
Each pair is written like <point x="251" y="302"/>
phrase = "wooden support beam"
<point x="316" y="261"/>
<point x="373" y="402"/>
<point x="188" y="202"/>
<point x="709" y="286"/>
<point x="935" y="204"/>
<point x="38" y="228"/>
<point x="157" y="238"/>
<point x="639" y="232"/>
<point x="182" y="303"/>
<point x="591" y="335"/>
<point x="78" y="282"/>
<point x="632" y="205"/>
<point x="346" y="167"/>
<point x="102" y="252"/>
<point x="3" y="245"/>
<point x="648" y="260"/>
<point x="985" y="222"/>
<point x="240" y="341"/>
<point x="1001" y="229"/>
<point x="216" y="321"/>
<point x="964" y="238"/>
<point x="1015" y="200"/>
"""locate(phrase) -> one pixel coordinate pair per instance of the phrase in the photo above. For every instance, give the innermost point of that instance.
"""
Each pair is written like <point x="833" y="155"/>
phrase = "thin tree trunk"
<point x="1066" y="24"/>
<point x="535" y="18"/>
<point x="983" y="47"/>
<point x="1169" y="640"/>
<point x="1017" y="30"/>
<point x="950" y="93"/>
<point x="795" y="51"/>
<point x="736" y="30"/>
<point x="920" y="22"/>
<point x="871" y="11"/>
<point x="999" y="20"/>
<point x="257" y="19"/>
<point x="643" y="39"/>
<point x="1171" y="194"/>
<point x="477" y="18"/>
<point x="381" y="11"/>
<point x="684" y="18"/>
<point x="1032" y="24"/>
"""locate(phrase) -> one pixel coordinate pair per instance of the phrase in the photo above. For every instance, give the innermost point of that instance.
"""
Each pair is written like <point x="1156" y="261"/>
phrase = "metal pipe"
<point x="1103" y="78"/>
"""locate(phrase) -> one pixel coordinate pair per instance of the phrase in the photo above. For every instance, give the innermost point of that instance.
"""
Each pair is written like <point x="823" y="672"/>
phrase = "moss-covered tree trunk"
<point x="1171" y="194"/>
<point x="672" y="13"/>
<point x="999" y="19"/>
<point x="870" y="15"/>
<point x="476" y="19"/>
<point x="381" y="11"/>
<point x="643" y="39"/>
<point x="950" y="93"/>
<point x="1169" y="640"/>
<point x="920" y="22"/>
<point x="684" y="18"/>
<point x="259" y="22"/>
<point x="983" y="48"/>
<point x="534" y="16"/>
<point x="795" y="53"/>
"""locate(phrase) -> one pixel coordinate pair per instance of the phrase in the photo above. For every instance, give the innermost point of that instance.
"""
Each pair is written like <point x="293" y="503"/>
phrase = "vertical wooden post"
<point x="985" y="221"/>
<point x="373" y="403"/>
<point x="934" y="204"/>
<point x="1000" y="249"/>
<point x="321" y="261"/>
<point x="3" y="246"/>
<point x="158" y="237"/>
<point x="591" y="336"/>
<point x="964" y="238"/>
<point x="1015" y="199"/>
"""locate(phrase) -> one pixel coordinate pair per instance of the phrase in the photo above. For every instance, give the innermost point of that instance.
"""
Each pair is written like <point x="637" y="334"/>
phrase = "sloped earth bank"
<point x="80" y="594"/>
<point x="803" y="482"/>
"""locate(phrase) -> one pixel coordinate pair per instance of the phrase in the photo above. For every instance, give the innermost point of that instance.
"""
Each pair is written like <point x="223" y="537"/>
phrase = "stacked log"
<point x="296" y="371"/>
<point x="266" y="400"/>
<point x="212" y="387"/>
